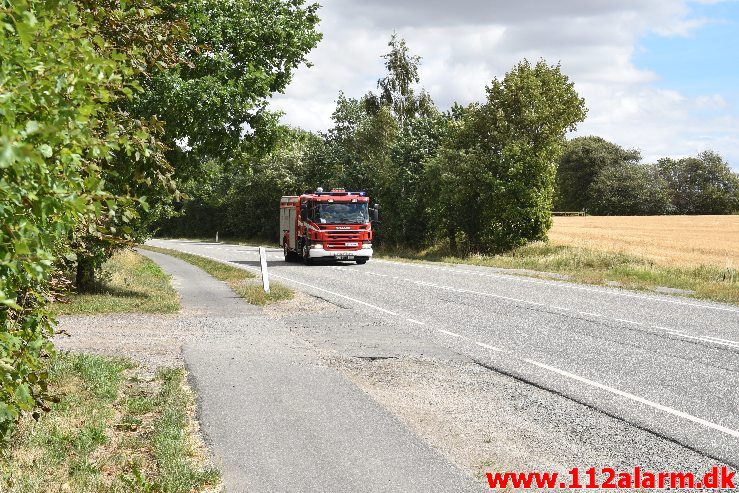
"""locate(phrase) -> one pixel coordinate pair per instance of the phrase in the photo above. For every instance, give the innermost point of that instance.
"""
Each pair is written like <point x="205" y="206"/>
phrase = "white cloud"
<point x="464" y="44"/>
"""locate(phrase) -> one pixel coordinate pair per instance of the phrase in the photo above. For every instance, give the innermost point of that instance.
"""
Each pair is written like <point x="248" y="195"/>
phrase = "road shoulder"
<point x="278" y="418"/>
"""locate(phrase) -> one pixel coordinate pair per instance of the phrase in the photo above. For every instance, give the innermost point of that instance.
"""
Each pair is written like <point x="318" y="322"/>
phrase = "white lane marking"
<point x="722" y="340"/>
<point x="703" y="338"/>
<point x="565" y="373"/>
<point x="245" y="267"/>
<point x="488" y="346"/>
<point x="563" y="285"/>
<point x="389" y="312"/>
<point x="480" y="293"/>
<point x="636" y="398"/>
<point x="560" y="308"/>
<point x="661" y="328"/>
<point x="415" y="321"/>
<point x="708" y="339"/>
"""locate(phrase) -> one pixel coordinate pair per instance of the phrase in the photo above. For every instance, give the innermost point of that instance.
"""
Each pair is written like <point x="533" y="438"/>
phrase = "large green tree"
<point x="631" y="190"/>
<point x="581" y="162"/>
<point x="238" y="54"/>
<point x="207" y="70"/>
<point x="502" y="157"/>
<point x="701" y="185"/>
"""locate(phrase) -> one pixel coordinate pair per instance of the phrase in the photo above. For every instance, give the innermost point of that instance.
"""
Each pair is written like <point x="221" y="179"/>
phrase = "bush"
<point x="58" y="128"/>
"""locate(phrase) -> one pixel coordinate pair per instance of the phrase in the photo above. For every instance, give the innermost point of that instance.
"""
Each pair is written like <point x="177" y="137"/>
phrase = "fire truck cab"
<point x="333" y="225"/>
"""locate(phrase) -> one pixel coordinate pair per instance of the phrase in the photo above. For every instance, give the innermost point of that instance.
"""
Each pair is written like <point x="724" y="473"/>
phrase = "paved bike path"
<point x="277" y="419"/>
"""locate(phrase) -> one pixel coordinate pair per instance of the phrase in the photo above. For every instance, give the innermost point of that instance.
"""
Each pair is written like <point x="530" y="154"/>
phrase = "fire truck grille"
<point x="344" y="236"/>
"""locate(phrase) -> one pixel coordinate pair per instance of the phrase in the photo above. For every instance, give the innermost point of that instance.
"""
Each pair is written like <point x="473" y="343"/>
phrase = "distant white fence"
<point x="580" y="213"/>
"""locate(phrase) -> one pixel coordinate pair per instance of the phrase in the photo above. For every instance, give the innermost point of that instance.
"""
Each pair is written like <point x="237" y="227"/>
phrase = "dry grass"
<point x="129" y="283"/>
<point x="698" y="255"/>
<point x="684" y="241"/>
<point x="113" y="430"/>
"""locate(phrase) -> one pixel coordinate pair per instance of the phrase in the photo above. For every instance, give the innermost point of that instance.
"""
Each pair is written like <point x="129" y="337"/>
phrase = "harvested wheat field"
<point x="668" y="240"/>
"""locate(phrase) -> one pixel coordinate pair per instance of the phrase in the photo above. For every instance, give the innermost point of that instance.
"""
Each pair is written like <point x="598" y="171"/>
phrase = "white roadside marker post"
<point x="263" y="262"/>
<point x="216" y="236"/>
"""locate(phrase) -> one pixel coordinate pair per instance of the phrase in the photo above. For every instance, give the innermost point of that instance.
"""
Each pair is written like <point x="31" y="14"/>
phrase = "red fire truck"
<point x="333" y="225"/>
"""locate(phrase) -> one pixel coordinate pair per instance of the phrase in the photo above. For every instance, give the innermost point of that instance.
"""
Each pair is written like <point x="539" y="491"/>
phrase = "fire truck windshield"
<point x="342" y="213"/>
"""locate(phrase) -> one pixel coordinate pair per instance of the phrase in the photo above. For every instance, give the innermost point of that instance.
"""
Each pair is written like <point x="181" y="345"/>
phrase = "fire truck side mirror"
<point x="376" y="212"/>
<point x="303" y="214"/>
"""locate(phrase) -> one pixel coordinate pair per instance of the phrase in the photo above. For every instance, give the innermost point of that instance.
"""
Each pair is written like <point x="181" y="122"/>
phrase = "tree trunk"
<point x="452" y="234"/>
<point x="85" y="280"/>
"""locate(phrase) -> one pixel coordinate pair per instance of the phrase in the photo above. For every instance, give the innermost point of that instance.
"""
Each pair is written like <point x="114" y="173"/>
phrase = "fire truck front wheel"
<point x="290" y="256"/>
<point x="361" y="261"/>
<point x="306" y="254"/>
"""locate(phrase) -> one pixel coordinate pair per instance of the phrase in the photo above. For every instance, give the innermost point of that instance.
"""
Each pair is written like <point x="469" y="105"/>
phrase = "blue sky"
<point x="660" y="76"/>
<point x="702" y="62"/>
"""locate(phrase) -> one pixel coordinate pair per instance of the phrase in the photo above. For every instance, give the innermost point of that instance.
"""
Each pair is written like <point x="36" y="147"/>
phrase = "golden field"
<point x="667" y="240"/>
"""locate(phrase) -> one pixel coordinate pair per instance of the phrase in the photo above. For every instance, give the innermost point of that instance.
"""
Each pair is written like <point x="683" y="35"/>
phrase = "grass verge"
<point x="129" y="283"/>
<point x="596" y="267"/>
<point x="243" y="282"/>
<point x="113" y="430"/>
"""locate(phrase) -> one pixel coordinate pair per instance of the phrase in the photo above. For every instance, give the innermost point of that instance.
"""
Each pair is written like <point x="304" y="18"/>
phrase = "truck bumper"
<point x="317" y="251"/>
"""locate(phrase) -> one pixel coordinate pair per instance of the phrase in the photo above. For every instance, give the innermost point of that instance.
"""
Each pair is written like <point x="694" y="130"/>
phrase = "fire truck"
<point x="334" y="225"/>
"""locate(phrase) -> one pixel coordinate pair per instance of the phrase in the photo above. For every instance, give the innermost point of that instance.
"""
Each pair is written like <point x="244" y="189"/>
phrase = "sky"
<point x="661" y="76"/>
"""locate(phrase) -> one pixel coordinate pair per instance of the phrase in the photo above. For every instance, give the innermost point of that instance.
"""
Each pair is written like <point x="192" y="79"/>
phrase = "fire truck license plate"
<point x="351" y="244"/>
<point x="345" y="257"/>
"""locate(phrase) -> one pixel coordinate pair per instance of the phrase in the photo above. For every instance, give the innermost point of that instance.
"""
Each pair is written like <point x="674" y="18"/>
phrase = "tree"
<point x="701" y="185"/>
<point x="504" y="156"/>
<point x="583" y="159"/>
<point x="630" y="190"/>
<point x="404" y="189"/>
<point x="60" y="80"/>
<point x="396" y="88"/>
<point x="239" y="53"/>
<point x="207" y="70"/>
<point x="147" y="34"/>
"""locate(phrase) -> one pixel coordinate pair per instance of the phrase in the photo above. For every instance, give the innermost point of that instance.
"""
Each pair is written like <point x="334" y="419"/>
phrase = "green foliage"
<point x="496" y="170"/>
<point x="701" y="185"/>
<point x="484" y="173"/>
<point x="408" y="204"/>
<point x="396" y="88"/>
<point x="238" y="54"/>
<point x="604" y="179"/>
<point x="61" y="129"/>
<point x="630" y="190"/>
<point x="583" y="159"/>
<point x="97" y="97"/>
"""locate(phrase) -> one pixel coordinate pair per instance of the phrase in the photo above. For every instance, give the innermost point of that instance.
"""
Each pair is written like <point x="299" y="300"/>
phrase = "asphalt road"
<point x="277" y="418"/>
<point x="667" y="366"/>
